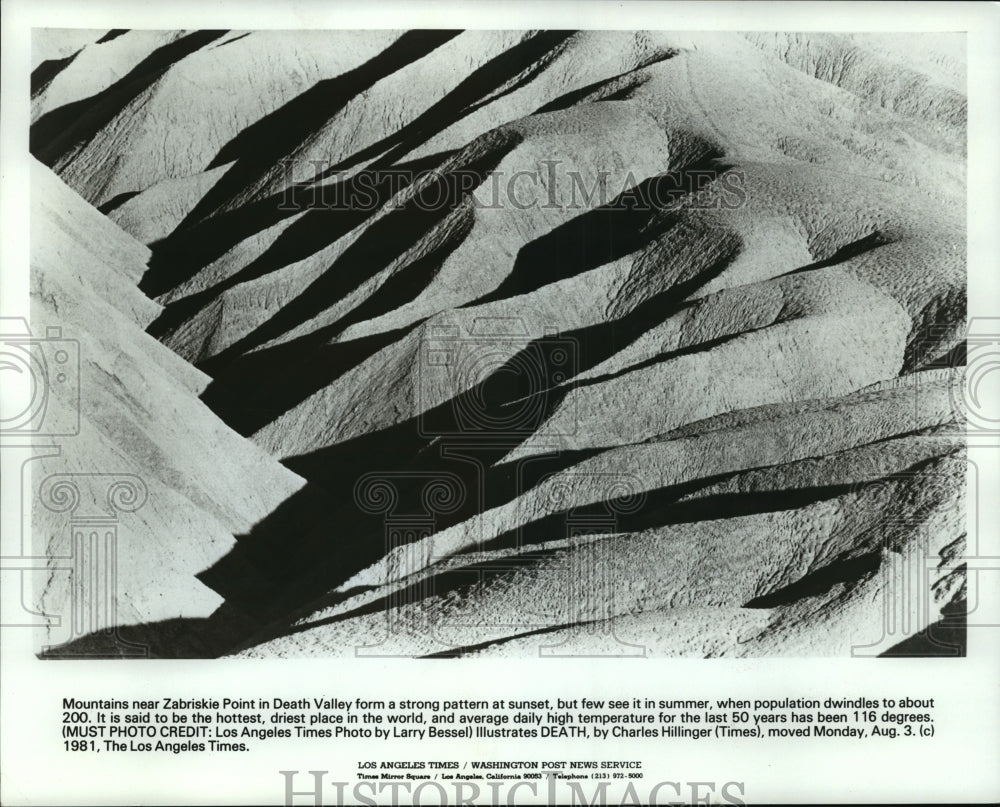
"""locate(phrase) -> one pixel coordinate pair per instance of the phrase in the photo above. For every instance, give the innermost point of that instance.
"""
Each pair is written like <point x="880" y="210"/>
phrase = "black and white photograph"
<point x="442" y="342"/>
<point x="500" y="343"/>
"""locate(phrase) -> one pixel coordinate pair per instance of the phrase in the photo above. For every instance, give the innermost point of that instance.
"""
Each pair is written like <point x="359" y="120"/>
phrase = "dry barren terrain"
<point x="512" y="343"/>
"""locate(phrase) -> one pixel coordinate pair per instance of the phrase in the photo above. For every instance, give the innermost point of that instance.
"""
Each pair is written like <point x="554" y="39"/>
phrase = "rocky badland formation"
<point x="503" y="343"/>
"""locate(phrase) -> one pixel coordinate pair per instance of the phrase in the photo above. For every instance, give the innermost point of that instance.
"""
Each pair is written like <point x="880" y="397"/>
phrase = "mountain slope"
<point x="514" y="343"/>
